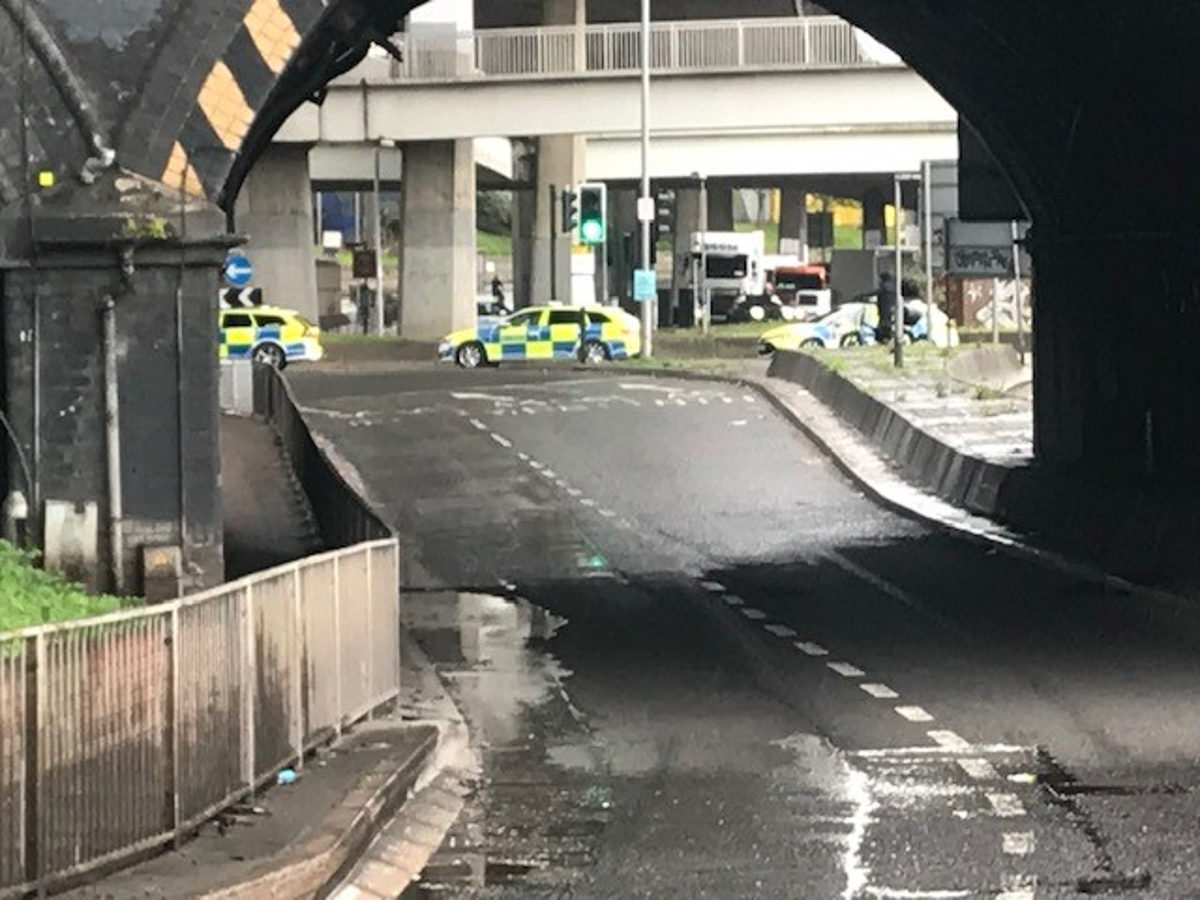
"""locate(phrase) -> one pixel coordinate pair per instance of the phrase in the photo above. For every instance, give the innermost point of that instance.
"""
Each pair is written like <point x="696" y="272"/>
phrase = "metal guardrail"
<point x="814" y="42"/>
<point x="123" y="732"/>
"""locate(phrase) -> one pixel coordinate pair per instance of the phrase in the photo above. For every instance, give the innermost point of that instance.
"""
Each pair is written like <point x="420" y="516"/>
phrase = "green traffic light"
<point x="592" y="231"/>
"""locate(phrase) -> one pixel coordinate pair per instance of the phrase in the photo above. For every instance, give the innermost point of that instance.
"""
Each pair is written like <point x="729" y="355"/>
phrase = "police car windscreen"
<point x="726" y="266"/>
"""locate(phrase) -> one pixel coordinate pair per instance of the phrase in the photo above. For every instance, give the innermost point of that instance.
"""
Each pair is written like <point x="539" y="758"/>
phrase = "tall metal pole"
<point x="702" y="281"/>
<point x="927" y="191"/>
<point x="553" y="243"/>
<point x="378" y="317"/>
<point x="1016" y="246"/>
<point x="898" y="299"/>
<point x="647" y="306"/>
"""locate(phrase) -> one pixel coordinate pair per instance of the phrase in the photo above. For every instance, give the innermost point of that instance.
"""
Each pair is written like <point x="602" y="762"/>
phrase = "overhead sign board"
<point x="982" y="249"/>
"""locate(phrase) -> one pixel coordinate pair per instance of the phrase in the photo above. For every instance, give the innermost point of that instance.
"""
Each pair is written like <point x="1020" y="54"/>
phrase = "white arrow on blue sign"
<point x="238" y="270"/>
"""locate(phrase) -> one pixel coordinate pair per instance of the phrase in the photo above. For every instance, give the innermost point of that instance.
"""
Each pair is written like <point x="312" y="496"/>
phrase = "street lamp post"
<point x="646" y="204"/>
<point x="898" y="306"/>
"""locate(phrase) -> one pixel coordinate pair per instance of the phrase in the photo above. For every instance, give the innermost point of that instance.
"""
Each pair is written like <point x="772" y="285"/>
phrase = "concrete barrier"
<point x="1144" y="537"/>
<point x="995" y="366"/>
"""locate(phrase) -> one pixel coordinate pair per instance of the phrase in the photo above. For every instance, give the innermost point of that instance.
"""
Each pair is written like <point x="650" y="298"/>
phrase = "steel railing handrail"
<point x="557" y="51"/>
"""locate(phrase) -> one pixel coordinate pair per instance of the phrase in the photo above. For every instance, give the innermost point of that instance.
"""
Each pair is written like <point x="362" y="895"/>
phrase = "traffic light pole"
<point x="553" y="243"/>
<point x="646" y="222"/>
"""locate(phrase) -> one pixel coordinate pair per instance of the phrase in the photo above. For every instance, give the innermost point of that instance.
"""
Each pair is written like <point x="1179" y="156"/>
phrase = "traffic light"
<point x="664" y="213"/>
<point x="593" y="202"/>
<point x="569" y="215"/>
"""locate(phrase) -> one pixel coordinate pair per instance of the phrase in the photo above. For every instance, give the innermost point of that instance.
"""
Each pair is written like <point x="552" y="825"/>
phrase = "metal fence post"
<point x="249" y="680"/>
<point x="35" y="701"/>
<point x="371" y="601"/>
<point x="337" y="644"/>
<point x="298" y="642"/>
<point x="174" y="812"/>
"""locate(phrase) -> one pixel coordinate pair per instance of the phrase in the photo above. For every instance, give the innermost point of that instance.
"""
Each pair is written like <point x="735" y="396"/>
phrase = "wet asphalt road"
<point x="699" y="663"/>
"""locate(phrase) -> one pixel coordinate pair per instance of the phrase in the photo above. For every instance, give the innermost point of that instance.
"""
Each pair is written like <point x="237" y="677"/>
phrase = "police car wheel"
<point x="269" y="355"/>
<point x="470" y="356"/>
<point x="851" y="340"/>
<point x="594" y="352"/>
<point x="812" y="342"/>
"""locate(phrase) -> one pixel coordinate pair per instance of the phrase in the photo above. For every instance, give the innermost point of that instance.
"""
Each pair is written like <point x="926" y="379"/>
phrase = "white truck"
<point x="731" y="268"/>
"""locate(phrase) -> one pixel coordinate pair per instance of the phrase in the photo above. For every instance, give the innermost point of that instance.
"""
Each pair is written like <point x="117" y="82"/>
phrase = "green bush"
<point x="33" y="596"/>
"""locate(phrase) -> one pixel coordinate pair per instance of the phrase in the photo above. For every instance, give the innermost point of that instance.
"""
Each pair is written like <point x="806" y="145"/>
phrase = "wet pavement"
<point x="697" y="662"/>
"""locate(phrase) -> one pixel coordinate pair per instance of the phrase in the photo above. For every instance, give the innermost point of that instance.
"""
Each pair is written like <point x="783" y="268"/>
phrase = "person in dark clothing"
<point x="498" y="293"/>
<point x="885" y="299"/>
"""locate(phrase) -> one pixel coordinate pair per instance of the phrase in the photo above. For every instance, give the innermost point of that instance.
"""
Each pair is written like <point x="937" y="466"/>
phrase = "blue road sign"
<point x="645" y="286"/>
<point x="238" y="270"/>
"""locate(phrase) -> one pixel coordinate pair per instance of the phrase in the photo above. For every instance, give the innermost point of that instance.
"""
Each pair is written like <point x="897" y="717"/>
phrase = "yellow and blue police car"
<point x="540" y="333"/>
<point x="270" y="335"/>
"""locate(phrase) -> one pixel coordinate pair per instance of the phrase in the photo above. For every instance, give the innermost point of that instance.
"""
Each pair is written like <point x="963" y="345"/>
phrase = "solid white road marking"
<point x="1019" y="843"/>
<point x="739" y="423"/>
<point x="949" y="740"/>
<point x="503" y="442"/>
<point x="889" y="589"/>
<point x="979" y="769"/>
<point x="913" y="714"/>
<point x="496" y="398"/>
<point x="1018" y="894"/>
<point x="846" y="670"/>
<point x="1007" y="806"/>
<point x="780" y="631"/>
<point x="811" y="649"/>
<point x="751" y="613"/>
<point x="879" y="691"/>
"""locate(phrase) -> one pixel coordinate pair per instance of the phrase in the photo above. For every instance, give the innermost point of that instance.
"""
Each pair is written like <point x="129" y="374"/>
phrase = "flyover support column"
<point x="154" y="504"/>
<point x="793" y="221"/>
<point x="560" y="164"/>
<point x="275" y="210"/>
<point x="874" y="219"/>
<point x="720" y="207"/>
<point x="687" y="221"/>
<point x="623" y="235"/>
<point x="437" y="208"/>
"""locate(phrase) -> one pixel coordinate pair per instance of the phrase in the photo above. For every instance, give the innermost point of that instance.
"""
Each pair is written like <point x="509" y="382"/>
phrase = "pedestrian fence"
<point x="122" y="733"/>
<point x="811" y="42"/>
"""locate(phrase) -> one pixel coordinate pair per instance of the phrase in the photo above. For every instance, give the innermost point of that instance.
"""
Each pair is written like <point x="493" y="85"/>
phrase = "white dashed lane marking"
<point x="979" y="769"/>
<point x="534" y="464"/>
<point x="479" y="425"/>
<point x="574" y="492"/>
<point x="780" y="631"/>
<point x="751" y="613"/>
<point x="1019" y="843"/>
<point x="1006" y="806"/>
<point x="879" y="691"/>
<point x="713" y="586"/>
<point x="846" y="670"/>
<point x="913" y="714"/>
<point x="949" y="740"/>
<point x="731" y="600"/>
<point x="811" y="649"/>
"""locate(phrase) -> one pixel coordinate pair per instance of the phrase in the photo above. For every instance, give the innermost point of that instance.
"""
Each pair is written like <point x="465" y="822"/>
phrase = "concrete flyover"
<point x="134" y="125"/>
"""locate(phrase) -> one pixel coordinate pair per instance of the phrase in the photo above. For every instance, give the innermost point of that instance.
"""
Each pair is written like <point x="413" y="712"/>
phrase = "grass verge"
<point x="31" y="596"/>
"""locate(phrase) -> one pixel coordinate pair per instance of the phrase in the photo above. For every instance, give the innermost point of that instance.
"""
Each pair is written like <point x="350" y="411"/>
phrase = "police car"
<point x="270" y="335"/>
<point x="544" y="333"/>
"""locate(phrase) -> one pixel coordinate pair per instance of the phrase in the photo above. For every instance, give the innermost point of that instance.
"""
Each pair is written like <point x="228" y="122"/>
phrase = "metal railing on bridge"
<point x="814" y="42"/>
<point x="124" y="732"/>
